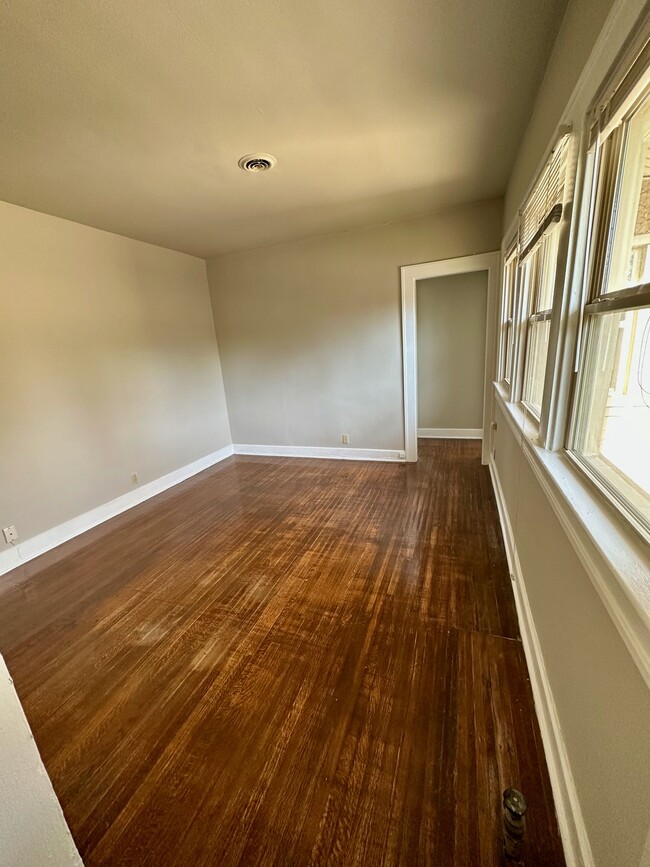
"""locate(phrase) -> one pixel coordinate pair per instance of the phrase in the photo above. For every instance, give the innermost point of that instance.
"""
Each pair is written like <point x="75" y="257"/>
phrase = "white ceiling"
<point x="130" y="115"/>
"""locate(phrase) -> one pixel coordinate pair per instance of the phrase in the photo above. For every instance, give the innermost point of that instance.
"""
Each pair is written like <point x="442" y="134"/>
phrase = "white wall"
<point x="602" y="702"/>
<point x="451" y="317"/>
<point x="310" y="332"/>
<point x="109" y="366"/>
<point x="33" y="830"/>
<point x="601" y="699"/>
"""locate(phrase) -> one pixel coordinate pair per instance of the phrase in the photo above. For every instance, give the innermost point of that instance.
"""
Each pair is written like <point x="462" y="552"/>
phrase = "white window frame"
<point x="507" y="320"/>
<point x="608" y="155"/>
<point x="540" y="259"/>
<point x="550" y="219"/>
<point x="614" y="555"/>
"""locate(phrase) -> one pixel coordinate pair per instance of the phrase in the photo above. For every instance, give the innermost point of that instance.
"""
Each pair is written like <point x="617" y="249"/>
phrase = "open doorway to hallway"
<point x="451" y="316"/>
<point x="444" y="394"/>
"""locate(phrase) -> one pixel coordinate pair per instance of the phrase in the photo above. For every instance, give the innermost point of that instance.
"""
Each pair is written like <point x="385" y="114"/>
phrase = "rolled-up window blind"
<point x="626" y="80"/>
<point x="634" y="83"/>
<point x="544" y="204"/>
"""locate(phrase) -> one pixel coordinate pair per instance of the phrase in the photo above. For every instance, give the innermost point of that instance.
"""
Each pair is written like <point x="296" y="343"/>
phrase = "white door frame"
<point x="490" y="262"/>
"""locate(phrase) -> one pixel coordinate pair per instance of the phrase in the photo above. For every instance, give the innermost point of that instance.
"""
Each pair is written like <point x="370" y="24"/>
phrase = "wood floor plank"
<point x="286" y="662"/>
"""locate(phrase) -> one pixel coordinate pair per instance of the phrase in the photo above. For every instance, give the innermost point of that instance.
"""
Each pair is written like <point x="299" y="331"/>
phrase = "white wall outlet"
<point x="135" y="478"/>
<point x="345" y="439"/>
<point x="401" y="455"/>
<point x="10" y="534"/>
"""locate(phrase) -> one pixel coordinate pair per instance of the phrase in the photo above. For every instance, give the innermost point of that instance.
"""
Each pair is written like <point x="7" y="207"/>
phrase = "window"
<point x="540" y="278"/>
<point x="610" y="433"/>
<point x="508" y="317"/>
<point x="538" y="243"/>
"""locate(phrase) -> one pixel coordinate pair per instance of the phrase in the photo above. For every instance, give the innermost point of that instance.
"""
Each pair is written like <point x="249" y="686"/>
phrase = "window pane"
<point x="536" y="352"/>
<point x="613" y="431"/>
<point x="507" y="322"/>
<point x="508" y="362"/>
<point x="541" y="276"/>
<point x="541" y="272"/>
<point x="546" y="276"/>
<point x="511" y="288"/>
<point x="630" y="261"/>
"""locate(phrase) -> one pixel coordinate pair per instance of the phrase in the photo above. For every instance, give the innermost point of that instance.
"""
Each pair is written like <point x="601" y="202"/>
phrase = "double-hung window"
<point x="508" y="316"/>
<point x="540" y="279"/>
<point x="538" y="243"/>
<point x="610" y="429"/>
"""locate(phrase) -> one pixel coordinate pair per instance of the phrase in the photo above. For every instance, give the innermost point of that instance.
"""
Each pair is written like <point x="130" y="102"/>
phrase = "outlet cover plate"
<point x="10" y="534"/>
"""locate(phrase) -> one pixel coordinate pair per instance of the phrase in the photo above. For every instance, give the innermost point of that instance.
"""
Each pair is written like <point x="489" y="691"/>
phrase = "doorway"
<point x="442" y="391"/>
<point x="451" y="313"/>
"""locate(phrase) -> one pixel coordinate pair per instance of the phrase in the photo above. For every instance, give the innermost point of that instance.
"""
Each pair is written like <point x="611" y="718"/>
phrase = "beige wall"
<point x="451" y="316"/>
<point x="602" y="702"/>
<point x="109" y="366"/>
<point x="310" y="332"/>
<point x="33" y="830"/>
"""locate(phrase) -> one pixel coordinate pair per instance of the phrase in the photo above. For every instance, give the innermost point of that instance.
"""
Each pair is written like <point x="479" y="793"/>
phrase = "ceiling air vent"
<point x="257" y="162"/>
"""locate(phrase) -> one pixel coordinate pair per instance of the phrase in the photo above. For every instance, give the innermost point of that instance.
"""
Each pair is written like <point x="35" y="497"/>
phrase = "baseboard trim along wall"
<point x="339" y="454"/>
<point x="577" y="849"/>
<point x="13" y="557"/>
<point x="37" y="545"/>
<point x="451" y="433"/>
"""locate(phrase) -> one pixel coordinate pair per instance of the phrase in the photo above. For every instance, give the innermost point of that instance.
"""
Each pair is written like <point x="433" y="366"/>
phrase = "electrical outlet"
<point x="401" y="455"/>
<point x="345" y="439"/>
<point x="135" y="478"/>
<point x="10" y="534"/>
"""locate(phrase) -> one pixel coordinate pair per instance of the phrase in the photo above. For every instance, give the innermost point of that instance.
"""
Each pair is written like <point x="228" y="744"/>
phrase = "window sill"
<point x="616" y="559"/>
<point x="521" y="419"/>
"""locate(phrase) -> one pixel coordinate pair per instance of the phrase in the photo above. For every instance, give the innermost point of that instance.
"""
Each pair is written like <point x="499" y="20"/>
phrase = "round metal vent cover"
<point x="257" y="162"/>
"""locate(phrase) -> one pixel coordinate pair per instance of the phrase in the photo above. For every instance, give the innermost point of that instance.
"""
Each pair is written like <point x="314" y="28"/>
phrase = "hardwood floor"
<point x="286" y="662"/>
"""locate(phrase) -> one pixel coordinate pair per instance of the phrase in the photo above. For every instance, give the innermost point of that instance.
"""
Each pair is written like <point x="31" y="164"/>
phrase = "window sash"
<point x="624" y="299"/>
<point x="509" y="290"/>
<point x="623" y="83"/>
<point x="620" y="492"/>
<point x="608" y="170"/>
<point x="613" y="109"/>
<point x="544" y="275"/>
<point x="537" y="338"/>
<point x="541" y="268"/>
<point x="509" y="351"/>
<point x="610" y="195"/>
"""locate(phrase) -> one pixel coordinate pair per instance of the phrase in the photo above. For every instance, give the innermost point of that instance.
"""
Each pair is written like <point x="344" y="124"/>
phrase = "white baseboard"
<point x="577" y="849"/>
<point x="339" y="454"/>
<point x="451" y="433"/>
<point x="37" y="545"/>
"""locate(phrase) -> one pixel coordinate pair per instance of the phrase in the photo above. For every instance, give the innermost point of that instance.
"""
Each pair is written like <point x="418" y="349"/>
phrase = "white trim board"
<point x="577" y="849"/>
<point x="614" y="557"/>
<point x="410" y="274"/>
<point x="37" y="545"/>
<point x="339" y="454"/>
<point x="451" y="433"/>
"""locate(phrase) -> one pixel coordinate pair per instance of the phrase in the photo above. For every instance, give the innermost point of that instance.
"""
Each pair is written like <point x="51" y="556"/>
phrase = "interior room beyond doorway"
<point x="451" y="316"/>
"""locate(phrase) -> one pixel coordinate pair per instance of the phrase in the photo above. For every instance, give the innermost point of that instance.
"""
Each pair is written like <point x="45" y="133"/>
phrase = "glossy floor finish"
<point x="286" y="662"/>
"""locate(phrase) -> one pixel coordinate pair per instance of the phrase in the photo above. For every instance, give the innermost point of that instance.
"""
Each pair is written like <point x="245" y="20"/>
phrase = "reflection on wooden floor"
<point x="286" y="662"/>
